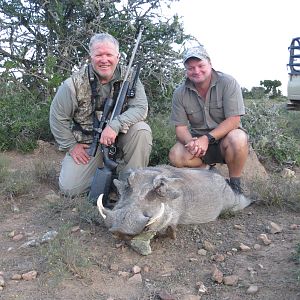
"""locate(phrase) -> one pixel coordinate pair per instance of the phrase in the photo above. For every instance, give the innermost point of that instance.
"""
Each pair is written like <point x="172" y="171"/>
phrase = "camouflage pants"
<point x="135" y="148"/>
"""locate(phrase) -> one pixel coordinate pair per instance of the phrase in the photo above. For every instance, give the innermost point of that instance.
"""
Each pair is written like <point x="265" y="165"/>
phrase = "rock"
<point x="202" y="252"/>
<point x="230" y="280"/>
<point x="274" y="228"/>
<point x="29" y="275"/>
<point x="31" y="243"/>
<point x="252" y="171"/>
<point x="75" y="229"/>
<point x="48" y="236"/>
<point x="136" y="278"/>
<point x="2" y="281"/>
<point x="146" y="268"/>
<point x="208" y="246"/>
<point x="239" y="227"/>
<point x="201" y="287"/>
<point x="217" y="275"/>
<point x="136" y="269"/>
<point x="244" y="247"/>
<point x="264" y="238"/>
<point x="218" y="257"/>
<point x="294" y="226"/>
<point x="166" y="296"/>
<point x="140" y="245"/>
<point x="253" y="289"/>
<point x="124" y="274"/>
<point x="11" y="234"/>
<point x="288" y="173"/>
<point x="256" y="246"/>
<point x="18" y="237"/>
<point x="16" y="277"/>
<point x="114" y="267"/>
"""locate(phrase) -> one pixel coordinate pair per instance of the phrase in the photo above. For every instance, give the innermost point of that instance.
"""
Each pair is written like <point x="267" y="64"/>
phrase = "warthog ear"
<point x="165" y="186"/>
<point x="120" y="185"/>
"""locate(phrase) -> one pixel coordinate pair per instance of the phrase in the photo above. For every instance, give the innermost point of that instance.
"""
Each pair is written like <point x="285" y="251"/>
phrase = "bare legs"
<point x="234" y="148"/>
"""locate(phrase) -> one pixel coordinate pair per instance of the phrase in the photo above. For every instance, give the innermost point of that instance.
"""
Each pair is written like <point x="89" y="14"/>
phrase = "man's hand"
<point x="79" y="154"/>
<point x="197" y="146"/>
<point x="108" y="136"/>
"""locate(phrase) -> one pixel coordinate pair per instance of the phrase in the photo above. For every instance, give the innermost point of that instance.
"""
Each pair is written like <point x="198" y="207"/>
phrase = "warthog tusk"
<point x="101" y="207"/>
<point x="158" y="216"/>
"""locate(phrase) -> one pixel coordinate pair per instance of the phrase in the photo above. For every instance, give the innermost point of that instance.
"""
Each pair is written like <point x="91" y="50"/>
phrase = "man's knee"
<point x="237" y="139"/>
<point x="72" y="188"/>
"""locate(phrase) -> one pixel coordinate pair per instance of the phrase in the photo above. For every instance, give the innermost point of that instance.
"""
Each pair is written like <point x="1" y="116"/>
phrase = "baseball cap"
<point x="198" y="52"/>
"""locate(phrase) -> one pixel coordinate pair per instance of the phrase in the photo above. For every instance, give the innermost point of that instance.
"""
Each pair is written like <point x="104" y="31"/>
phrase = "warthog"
<point x="158" y="198"/>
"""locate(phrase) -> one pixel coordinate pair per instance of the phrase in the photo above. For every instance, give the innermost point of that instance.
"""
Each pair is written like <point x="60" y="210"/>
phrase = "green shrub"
<point x="163" y="139"/>
<point x="24" y="120"/>
<point x="269" y="132"/>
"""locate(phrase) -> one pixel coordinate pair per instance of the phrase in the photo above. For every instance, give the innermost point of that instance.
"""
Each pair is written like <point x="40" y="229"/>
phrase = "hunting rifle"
<point x="103" y="177"/>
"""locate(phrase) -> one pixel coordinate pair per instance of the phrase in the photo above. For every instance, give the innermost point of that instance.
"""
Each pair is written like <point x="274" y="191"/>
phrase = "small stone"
<point x="208" y="246"/>
<point x="217" y="275"/>
<point x="257" y="247"/>
<point x="288" y="173"/>
<point x="136" y="278"/>
<point x="48" y="236"/>
<point x="11" y="234"/>
<point x="230" y="280"/>
<point x="146" y="268"/>
<point x="191" y="259"/>
<point x="136" y="269"/>
<point x="114" y="267"/>
<point x="294" y="226"/>
<point x="202" y="252"/>
<point x="218" y="257"/>
<point x="163" y="295"/>
<point x="29" y="275"/>
<point x="253" y="289"/>
<point x="16" y="277"/>
<point x="75" y="229"/>
<point x="244" y="247"/>
<point x="201" y="287"/>
<point x="239" y="227"/>
<point x="2" y="281"/>
<point x="275" y="228"/>
<point x="1" y="288"/>
<point x="18" y="237"/>
<point x="264" y="238"/>
<point x="124" y="274"/>
<point x="261" y="266"/>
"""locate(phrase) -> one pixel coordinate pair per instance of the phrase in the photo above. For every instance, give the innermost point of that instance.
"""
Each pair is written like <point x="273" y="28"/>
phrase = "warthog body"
<point x="156" y="198"/>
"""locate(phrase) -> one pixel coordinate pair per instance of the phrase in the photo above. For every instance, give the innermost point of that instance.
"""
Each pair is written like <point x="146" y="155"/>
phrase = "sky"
<point x="247" y="39"/>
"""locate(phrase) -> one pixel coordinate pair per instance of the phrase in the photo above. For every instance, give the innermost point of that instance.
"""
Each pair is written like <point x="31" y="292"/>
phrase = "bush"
<point x="24" y="120"/>
<point x="270" y="136"/>
<point x="163" y="139"/>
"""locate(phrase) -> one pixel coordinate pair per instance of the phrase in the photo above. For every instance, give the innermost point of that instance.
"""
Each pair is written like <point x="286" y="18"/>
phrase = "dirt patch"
<point x="84" y="261"/>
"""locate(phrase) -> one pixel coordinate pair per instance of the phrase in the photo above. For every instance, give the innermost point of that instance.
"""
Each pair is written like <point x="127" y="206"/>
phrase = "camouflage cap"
<point x="198" y="52"/>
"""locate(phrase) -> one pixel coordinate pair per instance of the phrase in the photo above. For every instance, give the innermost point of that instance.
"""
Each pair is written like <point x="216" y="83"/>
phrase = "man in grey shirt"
<point x="72" y="115"/>
<point x="206" y="111"/>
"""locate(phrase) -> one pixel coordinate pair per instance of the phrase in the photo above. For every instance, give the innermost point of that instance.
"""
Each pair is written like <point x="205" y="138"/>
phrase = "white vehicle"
<point x="293" y="89"/>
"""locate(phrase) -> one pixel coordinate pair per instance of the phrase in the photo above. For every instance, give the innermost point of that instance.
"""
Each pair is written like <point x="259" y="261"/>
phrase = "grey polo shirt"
<point x="223" y="99"/>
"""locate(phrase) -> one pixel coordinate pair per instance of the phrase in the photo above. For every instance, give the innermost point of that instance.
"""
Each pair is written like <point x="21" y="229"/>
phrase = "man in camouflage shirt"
<point x="206" y="111"/>
<point x="71" y="119"/>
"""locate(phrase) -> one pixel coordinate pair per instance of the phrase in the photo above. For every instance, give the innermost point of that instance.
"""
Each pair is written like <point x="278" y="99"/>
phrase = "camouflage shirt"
<point x="72" y="106"/>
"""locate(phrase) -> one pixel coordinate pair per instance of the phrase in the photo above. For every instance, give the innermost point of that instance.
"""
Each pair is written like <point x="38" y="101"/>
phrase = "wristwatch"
<point x="211" y="139"/>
